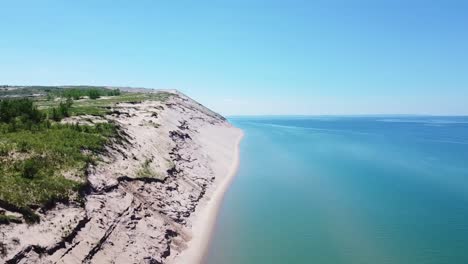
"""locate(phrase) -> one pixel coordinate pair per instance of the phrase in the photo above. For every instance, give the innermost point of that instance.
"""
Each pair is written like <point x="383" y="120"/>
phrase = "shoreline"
<point x="155" y="194"/>
<point x="204" y="224"/>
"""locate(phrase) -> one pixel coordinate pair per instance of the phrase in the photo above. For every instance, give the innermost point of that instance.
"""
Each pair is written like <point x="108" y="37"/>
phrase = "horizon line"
<point x="347" y="115"/>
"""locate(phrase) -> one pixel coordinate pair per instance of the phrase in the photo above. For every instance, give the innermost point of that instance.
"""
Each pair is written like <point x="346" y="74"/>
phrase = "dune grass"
<point x="6" y="219"/>
<point x="33" y="163"/>
<point x="100" y="106"/>
<point x="36" y="150"/>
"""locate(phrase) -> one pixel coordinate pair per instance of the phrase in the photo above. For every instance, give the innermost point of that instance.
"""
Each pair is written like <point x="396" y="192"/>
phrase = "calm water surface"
<point x="347" y="190"/>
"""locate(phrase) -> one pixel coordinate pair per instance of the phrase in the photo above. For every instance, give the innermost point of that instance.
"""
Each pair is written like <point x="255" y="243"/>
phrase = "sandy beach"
<point x="205" y="218"/>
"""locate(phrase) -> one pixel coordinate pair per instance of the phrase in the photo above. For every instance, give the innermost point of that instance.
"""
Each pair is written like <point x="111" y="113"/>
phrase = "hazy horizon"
<point x="250" y="57"/>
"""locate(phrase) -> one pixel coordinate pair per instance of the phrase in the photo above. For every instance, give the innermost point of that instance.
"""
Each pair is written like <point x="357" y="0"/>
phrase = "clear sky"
<point x="247" y="56"/>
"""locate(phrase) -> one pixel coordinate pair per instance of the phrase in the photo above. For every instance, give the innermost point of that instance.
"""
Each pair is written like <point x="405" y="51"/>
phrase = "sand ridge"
<point x="152" y="199"/>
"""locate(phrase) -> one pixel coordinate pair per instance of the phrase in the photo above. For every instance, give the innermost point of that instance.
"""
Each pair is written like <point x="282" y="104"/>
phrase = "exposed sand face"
<point x="205" y="218"/>
<point x="153" y="199"/>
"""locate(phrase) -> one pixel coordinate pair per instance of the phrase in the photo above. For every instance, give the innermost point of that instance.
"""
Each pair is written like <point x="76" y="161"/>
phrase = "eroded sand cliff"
<point x="144" y="196"/>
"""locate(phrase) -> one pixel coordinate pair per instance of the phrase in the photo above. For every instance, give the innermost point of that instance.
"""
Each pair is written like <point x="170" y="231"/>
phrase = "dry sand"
<point x="153" y="198"/>
<point x="205" y="218"/>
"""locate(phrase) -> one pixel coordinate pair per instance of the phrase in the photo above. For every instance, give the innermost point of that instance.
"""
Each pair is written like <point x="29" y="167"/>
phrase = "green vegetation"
<point x="34" y="157"/>
<point x="22" y="109"/>
<point x="62" y="111"/>
<point x="145" y="171"/>
<point x="92" y="93"/>
<point x="36" y="150"/>
<point x="6" y="219"/>
<point x="32" y="172"/>
<point x="101" y="106"/>
<point x="50" y="92"/>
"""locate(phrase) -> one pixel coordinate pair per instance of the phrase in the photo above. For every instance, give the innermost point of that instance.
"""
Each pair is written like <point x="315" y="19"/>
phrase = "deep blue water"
<point x="347" y="190"/>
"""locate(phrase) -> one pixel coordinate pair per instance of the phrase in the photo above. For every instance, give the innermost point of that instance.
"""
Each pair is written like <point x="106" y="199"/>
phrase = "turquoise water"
<point x="347" y="190"/>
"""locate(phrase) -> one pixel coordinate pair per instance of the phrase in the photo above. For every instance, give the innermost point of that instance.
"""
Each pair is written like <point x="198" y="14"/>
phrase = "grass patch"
<point x="145" y="171"/>
<point x="6" y="219"/>
<point x="50" y="92"/>
<point x="89" y="110"/>
<point x="34" y="158"/>
<point x="101" y="106"/>
<point x="36" y="151"/>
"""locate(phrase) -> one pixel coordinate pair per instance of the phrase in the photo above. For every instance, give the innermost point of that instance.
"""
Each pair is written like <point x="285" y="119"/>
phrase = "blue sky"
<point x="250" y="57"/>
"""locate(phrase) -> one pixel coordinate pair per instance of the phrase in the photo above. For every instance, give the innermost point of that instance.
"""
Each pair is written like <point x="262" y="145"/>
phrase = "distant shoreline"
<point x="205" y="222"/>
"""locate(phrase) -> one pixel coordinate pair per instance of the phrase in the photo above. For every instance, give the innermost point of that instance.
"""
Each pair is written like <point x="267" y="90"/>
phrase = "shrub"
<point x="114" y="92"/>
<point x="62" y="111"/>
<point x="35" y="178"/>
<point x="4" y="149"/>
<point x="93" y="94"/>
<point x="6" y="219"/>
<point x="55" y="115"/>
<point x="20" y="108"/>
<point x="22" y="146"/>
<point x="30" y="168"/>
<point x="73" y="93"/>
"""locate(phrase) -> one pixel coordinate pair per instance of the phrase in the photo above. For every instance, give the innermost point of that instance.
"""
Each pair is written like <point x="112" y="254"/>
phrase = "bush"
<point x="115" y="92"/>
<point x="45" y="149"/>
<point x="30" y="168"/>
<point x="73" y="93"/>
<point x="6" y="219"/>
<point x="4" y="149"/>
<point x="22" y="109"/>
<point x="62" y="111"/>
<point x="22" y="146"/>
<point x="93" y="94"/>
<point x="55" y="115"/>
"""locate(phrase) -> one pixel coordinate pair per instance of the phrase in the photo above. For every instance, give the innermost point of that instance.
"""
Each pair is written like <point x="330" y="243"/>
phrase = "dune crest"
<point x="154" y="184"/>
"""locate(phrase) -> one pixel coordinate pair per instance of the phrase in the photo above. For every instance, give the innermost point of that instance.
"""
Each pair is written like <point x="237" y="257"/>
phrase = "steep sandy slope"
<point x="145" y="194"/>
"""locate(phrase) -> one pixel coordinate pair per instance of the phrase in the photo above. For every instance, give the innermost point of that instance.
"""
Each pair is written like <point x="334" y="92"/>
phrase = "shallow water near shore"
<point x="347" y="190"/>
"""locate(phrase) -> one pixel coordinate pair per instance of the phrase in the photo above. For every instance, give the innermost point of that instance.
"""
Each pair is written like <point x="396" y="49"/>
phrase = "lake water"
<point x="347" y="190"/>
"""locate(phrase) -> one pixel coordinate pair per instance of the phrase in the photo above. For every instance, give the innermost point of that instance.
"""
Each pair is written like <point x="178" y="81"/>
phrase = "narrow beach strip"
<point x="205" y="221"/>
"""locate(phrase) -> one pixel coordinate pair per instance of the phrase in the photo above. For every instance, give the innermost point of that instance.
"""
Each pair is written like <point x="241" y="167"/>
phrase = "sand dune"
<point x="152" y="199"/>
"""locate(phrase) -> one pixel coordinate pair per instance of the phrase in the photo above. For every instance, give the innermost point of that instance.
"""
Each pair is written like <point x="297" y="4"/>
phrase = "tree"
<point x="93" y="94"/>
<point x="114" y="92"/>
<point x="23" y="109"/>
